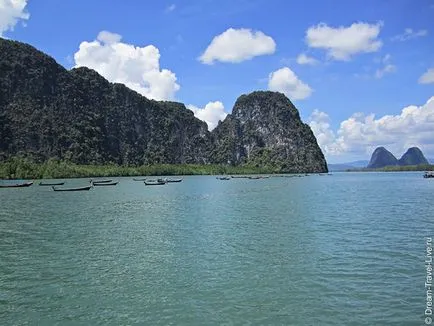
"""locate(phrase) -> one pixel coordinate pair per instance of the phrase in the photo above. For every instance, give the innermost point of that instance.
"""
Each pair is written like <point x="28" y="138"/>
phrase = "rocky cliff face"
<point x="265" y="129"/>
<point x="48" y="112"/>
<point x="413" y="156"/>
<point x="381" y="158"/>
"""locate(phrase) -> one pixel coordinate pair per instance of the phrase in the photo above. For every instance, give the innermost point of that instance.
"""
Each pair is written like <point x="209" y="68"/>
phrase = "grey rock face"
<point x="265" y="129"/>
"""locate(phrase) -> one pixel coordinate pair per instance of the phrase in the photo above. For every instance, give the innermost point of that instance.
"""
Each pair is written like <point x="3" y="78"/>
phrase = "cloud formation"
<point x="386" y="68"/>
<point x="361" y="134"/>
<point x="136" y="67"/>
<point x="342" y="43"/>
<point x="11" y="11"/>
<point x="319" y="122"/>
<point x="304" y="59"/>
<point x="409" y="34"/>
<point x="286" y="81"/>
<point x="237" y="45"/>
<point x="427" y="77"/>
<point x="212" y="113"/>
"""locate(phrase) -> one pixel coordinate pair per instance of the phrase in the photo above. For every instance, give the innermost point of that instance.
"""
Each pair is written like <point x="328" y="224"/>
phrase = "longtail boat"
<point x="101" y="181"/>
<point x="51" y="183"/>
<point x="98" y="184"/>
<point x="139" y="179"/>
<point x="72" y="189"/>
<point x="174" y="180"/>
<point x="155" y="183"/>
<point x="16" y="185"/>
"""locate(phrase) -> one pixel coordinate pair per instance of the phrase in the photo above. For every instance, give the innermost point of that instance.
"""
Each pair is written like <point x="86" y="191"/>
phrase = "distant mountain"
<point x="413" y="156"/>
<point x="381" y="158"/>
<point x="348" y="165"/>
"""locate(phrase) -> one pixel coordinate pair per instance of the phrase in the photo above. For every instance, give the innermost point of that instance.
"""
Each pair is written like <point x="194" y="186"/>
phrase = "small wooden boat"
<point x="154" y="183"/>
<point x="223" y="178"/>
<point x="139" y="179"/>
<point x="51" y="183"/>
<point x="16" y="185"/>
<point x="72" y="189"/>
<point x="174" y="180"/>
<point x="255" y="177"/>
<point x="239" y="176"/>
<point x="166" y="180"/>
<point x="101" y="181"/>
<point x="99" y="184"/>
<point x="429" y="174"/>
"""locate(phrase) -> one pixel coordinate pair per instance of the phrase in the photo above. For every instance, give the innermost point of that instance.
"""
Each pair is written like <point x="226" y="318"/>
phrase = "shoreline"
<point x="23" y="169"/>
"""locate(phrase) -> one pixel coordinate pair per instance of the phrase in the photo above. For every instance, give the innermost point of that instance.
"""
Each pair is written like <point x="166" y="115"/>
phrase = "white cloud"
<point x="303" y="59"/>
<point x="319" y="122"/>
<point x="386" y="69"/>
<point x="286" y="81"/>
<point x="108" y="37"/>
<point x="409" y="34"/>
<point x="361" y="134"/>
<point x="212" y="113"/>
<point x="237" y="45"/>
<point x="136" y="67"/>
<point x="170" y="8"/>
<point x="11" y="11"/>
<point x="342" y="43"/>
<point x="427" y="77"/>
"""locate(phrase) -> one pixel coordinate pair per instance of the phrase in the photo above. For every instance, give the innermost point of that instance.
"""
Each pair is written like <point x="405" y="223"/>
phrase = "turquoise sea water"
<point x="346" y="249"/>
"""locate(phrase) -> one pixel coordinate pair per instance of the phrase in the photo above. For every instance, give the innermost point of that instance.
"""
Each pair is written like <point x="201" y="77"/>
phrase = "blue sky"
<point x="366" y="57"/>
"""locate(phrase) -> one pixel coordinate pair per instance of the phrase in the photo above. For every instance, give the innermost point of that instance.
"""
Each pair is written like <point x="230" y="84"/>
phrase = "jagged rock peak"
<point x="266" y="102"/>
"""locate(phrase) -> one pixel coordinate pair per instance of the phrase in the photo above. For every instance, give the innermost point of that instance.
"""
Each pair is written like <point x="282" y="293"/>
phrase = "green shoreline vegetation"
<point x="21" y="168"/>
